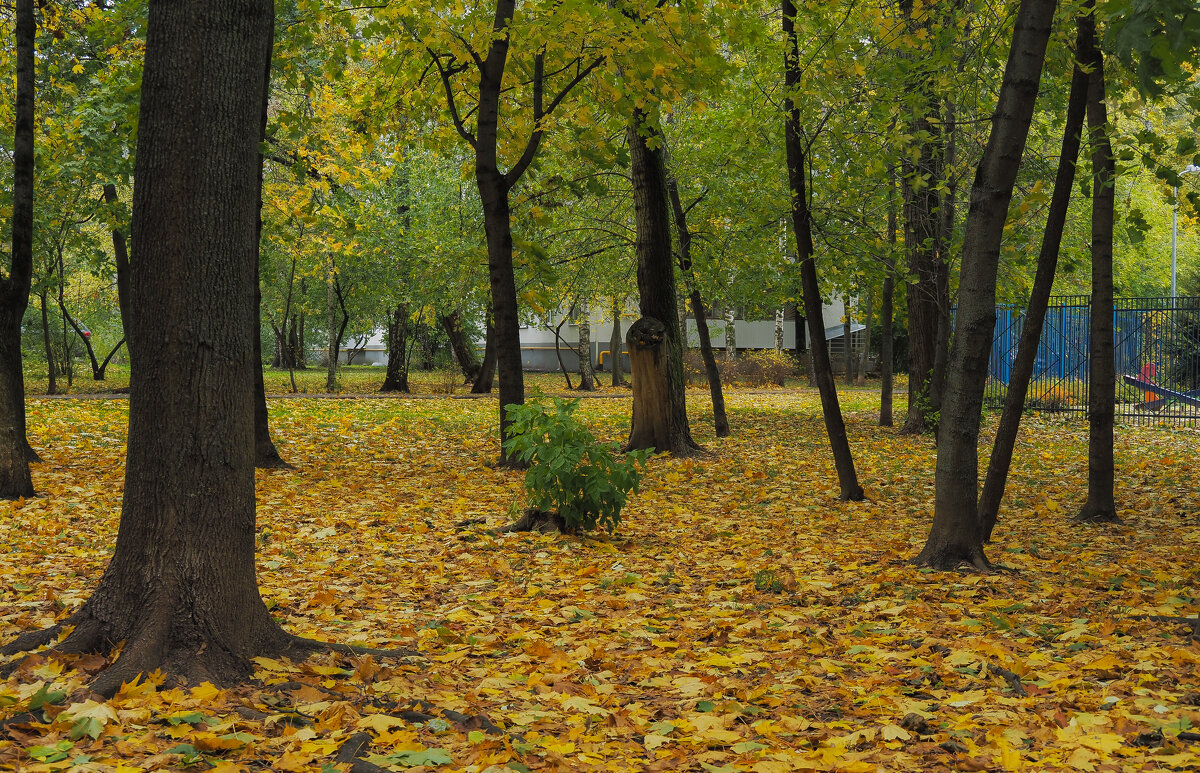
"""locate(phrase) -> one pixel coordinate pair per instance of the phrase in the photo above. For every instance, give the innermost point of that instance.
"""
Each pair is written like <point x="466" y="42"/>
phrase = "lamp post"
<point x="1175" y="227"/>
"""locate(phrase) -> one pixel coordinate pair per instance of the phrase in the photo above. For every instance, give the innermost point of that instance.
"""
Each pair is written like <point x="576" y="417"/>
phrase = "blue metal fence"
<point x="1156" y="351"/>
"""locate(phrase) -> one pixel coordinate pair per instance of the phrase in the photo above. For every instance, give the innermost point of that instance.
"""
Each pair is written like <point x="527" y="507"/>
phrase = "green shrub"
<point x="586" y="482"/>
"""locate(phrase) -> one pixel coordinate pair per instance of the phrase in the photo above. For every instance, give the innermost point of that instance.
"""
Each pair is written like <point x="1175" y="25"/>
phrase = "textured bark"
<point x="928" y="290"/>
<point x="656" y="293"/>
<point x="886" y="315"/>
<point x="861" y="376"/>
<point x="1043" y="283"/>
<point x="48" y="347"/>
<point x="653" y="425"/>
<point x="847" y="342"/>
<point x="180" y="590"/>
<point x="15" y="452"/>
<point x="461" y="346"/>
<point x="587" y="375"/>
<point x="711" y="372"/>
<point x="615" y="342"/>
<point x="730" y="335"/>
<point x="336" y="328"/>
<point x="121" y="258"/>
<point x="797" y="171"/>
<point x="396" y="378"/>
<point x="955" y="536"/>
<point x="1101" y="503"/>
<point x="487" y="369"/>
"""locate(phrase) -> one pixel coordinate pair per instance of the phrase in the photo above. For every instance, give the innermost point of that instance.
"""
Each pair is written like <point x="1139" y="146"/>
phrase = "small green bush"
<point x="586" y="482"/>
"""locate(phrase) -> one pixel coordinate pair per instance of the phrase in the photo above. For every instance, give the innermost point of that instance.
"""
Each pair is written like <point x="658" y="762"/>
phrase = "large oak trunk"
<point x="656" y="292"/>
<point x="15" y="452"/>
<point x="180" y="591"/>
<point x="1100" y="504"/>
<point x="1039" y="299"/>
<point x="955" y="536"/>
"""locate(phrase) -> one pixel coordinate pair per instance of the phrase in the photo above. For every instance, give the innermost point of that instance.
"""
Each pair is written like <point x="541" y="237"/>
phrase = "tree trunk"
<point x="15" y="451"/>
<point x="797" y="170"/>
<point x="1101" y="503"/>
<point x="333" y="350"/>
<point x="657" y="300"/>
<point x="615" y="344"/>
<point x="1043" y="283"/>
<point x="266" y="455"/>
<point x="684" y="235"/>
<point x="847" y="341"/>
<point x="562" y="366"/>
<point x="927" y="292"/>
<point x="730" y="335"/>
<point x="396" y="379"/>
<point x="955" y="536"/>
<point x="487" y="369"/>
<point x="866" y="347"/>
<point x="463" y="349"/>
<point x="51" y="371"/>
<point x="180" y="591"/>
<point x="886" y="315"/>
<point x="779" y="332"/>
<point x="587" y="376"/>
<point x="121" y="256"/>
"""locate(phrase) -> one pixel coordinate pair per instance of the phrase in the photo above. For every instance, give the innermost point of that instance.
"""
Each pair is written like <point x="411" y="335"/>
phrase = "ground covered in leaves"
<point x="740" y="619"/>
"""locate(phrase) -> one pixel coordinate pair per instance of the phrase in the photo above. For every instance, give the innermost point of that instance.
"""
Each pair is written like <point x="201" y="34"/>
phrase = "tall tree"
<point x="955" y="536"/>
<point x="1039" y="298"/>
<point x="797" y="172"/>
<point x="655" y="341"/>
<point x="1100" y="504"/>
<point x="684" y="250"/>
<point x="15" y="480"/>
<point x="495" y="185"/>
<point x="180" y="590"/>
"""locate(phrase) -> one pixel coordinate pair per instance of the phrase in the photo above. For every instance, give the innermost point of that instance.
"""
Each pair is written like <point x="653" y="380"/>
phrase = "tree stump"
<point x="653" y="424"/>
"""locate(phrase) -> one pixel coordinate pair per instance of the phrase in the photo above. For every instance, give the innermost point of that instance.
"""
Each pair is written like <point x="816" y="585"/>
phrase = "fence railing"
<point x="1156" y="351"/>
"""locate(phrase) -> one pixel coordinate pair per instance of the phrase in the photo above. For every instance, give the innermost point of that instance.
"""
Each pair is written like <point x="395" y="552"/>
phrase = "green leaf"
<point x="86" y="726"/>
<point x="44" y="697"/>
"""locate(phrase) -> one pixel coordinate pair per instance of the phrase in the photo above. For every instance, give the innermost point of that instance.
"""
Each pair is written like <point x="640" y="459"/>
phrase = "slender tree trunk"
<point x="562" y="366"/>
<point x="396" y="379"/>
<point x="266" y="455"/>
<point x="1101" y="503"/>
<point x="51" y="370"/>
<point x="955" y="536"/>
<point x="121" y="256"/>
<point x="847" y="341"/>
<point x="587" y="376"/>
<point x="779" y="332"/>
<point x="797" y="171"/>
<point x="615" y="344"/>
<point x="866" y="347"/>
<point x="886" y="315"/>
<point x="15" y="451"/>
<point x="730" y="335"/>
<point x="684" y="238"/>
<point x="487" y="369"/>
<point x="180" y="591"/>
<point x="922" y="172"/>
<point x="654" y="407"/>
<point x="1043" y="283"/>
<point x="463" y="349"/>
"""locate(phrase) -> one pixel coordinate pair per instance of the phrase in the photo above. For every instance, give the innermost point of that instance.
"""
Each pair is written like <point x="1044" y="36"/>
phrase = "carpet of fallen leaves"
<point x="740" y="619"/>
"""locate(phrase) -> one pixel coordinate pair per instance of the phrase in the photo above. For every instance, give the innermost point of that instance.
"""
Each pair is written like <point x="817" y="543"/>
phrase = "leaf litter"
<point x="741" y="618"/>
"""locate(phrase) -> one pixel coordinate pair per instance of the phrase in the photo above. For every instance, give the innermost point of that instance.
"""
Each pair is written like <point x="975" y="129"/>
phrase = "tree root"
<point x="1190" y="622"/>
<point x="534" y="520"/>
<point x="1014" y="681"/>
<point x="272" y="462"/>
<point x="351" y="751"/>
<point x="1091" y="514"/>
<point x="304" y="646"/>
